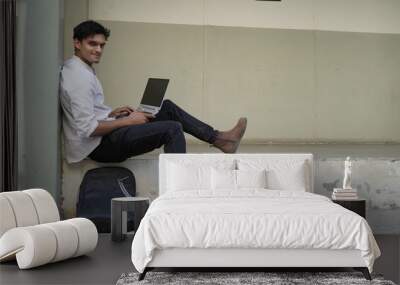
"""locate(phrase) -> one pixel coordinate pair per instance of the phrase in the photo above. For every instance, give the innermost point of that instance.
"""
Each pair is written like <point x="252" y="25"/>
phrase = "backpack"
<point x="98" y="187"/>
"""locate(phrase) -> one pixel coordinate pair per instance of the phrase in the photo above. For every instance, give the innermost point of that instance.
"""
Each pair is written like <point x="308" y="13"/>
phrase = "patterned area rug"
<point x="243" y="278"/>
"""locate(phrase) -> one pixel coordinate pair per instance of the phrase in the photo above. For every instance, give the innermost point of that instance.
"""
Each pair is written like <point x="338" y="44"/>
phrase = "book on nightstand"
<point x="344" y="194"/>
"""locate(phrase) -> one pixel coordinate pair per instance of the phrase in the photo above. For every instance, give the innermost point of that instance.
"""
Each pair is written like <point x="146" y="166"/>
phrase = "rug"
<point x="253" y="278"/>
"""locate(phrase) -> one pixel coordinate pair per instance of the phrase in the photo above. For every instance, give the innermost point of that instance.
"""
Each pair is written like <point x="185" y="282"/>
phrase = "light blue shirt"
<point x="82" y="101"/>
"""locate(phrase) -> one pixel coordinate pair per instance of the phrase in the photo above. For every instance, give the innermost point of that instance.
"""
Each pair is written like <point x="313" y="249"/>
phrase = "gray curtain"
<point x="8" y="116"/>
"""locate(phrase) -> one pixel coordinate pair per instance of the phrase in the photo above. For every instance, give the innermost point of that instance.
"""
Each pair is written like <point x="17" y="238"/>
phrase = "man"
<point x="93" y="129"/>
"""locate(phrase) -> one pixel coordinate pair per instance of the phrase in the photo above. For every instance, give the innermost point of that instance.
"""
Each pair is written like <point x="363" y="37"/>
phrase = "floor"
<point x="110" y="260"/>
<point x="103" y="266"/>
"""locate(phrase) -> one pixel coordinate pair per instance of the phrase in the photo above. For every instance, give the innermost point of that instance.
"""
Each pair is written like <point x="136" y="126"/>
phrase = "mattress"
<point x="251" y="219"/>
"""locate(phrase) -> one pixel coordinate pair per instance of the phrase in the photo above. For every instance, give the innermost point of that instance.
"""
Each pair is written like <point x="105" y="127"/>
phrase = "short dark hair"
<point x="90" y="28"/>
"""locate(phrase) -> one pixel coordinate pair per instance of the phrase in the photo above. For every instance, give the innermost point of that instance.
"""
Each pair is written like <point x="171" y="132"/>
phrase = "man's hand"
<point x="121" y="112"/>
<point x="134" y="118"/>
<point x="138" y="118"/>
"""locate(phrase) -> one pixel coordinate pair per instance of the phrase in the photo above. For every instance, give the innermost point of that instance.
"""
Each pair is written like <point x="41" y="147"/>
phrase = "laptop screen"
<point x="154" y="92"/>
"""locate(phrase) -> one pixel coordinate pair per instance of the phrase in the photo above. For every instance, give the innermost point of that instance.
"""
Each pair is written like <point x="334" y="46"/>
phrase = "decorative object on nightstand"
<point x="344" y="194"/>
<point x="356" y="205"/>
<point x="119" y="209"/>
<point x="347" y="174"/>
<point x="347" y="192"/>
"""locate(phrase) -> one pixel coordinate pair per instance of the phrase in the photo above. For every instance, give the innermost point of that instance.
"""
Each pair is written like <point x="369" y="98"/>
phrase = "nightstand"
<point x="119" y="209"/>
<point x="357" y="206"/>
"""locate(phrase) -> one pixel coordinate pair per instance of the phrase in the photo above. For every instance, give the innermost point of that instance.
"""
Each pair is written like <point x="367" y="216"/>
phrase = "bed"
<point x="246" y="211"/>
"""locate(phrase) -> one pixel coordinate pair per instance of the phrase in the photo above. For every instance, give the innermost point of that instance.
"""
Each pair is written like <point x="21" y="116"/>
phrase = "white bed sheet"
<point x="250" y="218"/>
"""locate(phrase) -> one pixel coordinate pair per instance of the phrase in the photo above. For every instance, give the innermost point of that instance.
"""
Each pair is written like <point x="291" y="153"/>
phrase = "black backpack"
<point x="98" y="187"/>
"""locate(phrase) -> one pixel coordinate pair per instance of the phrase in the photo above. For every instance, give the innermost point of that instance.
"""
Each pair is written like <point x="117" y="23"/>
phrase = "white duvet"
<point x="251" y="218"/>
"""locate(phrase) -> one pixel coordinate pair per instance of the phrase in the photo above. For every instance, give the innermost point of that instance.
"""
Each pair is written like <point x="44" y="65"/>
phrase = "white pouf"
<point x="31" y="232"/>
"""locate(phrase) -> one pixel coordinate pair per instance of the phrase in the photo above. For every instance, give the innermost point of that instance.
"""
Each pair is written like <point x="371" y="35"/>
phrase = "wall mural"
<point x="377" y="181"/>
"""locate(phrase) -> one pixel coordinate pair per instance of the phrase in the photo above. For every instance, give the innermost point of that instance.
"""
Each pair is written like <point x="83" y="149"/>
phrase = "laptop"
<point x="153" y="95"/>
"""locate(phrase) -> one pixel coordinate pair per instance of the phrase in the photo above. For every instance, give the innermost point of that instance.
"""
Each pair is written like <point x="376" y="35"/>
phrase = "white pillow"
<point x="191" y="173"/>
<point x="226" y="179"/>
<point x="181" y="177"/>
<point x="251" y="178"/>
<point x="293" y="180"/>
<point x="223" y="179"/>
<point x="282" y="174"/>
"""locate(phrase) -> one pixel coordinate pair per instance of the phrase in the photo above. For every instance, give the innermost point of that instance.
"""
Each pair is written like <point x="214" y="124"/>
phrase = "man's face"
<point x="90" y="48"/>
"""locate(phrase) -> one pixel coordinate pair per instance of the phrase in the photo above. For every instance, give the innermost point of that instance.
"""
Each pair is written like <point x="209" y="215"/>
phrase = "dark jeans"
<point x="165" y="129"/>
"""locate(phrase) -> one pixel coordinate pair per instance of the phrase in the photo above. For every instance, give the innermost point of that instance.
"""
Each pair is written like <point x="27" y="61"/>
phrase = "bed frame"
<point x="246" y="259"/>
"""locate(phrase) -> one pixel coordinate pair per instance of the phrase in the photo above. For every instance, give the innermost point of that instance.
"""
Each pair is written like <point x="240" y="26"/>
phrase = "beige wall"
<point x="288" y="66"/>
<point x="372" y="16"/>
<point x="75" y="11"/>
<point x="302" y="70"/>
